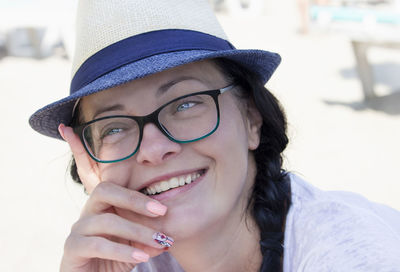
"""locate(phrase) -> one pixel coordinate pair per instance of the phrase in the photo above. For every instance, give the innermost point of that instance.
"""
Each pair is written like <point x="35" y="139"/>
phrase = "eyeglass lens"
<point x="186" y="119"/>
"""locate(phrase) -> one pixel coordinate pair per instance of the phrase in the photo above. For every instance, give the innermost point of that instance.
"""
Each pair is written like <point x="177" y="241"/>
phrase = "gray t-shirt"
<point x="328" y="231"/>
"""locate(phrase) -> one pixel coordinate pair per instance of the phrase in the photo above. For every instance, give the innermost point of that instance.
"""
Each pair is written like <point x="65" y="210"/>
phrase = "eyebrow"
<point x="161" y="90"/>
<point x="110" y="108"/>
<point x="165" y="87"/>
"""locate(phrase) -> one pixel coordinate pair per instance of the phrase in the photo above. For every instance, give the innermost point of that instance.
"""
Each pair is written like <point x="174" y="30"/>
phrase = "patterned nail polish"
<point x="163" y="239"/>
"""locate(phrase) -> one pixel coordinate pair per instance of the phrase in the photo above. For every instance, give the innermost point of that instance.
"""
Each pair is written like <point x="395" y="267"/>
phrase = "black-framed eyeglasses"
<point x="185" y="119"/>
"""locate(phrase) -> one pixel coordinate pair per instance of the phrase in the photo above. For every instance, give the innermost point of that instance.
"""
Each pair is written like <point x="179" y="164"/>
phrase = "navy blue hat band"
<point x="142" y="46"/>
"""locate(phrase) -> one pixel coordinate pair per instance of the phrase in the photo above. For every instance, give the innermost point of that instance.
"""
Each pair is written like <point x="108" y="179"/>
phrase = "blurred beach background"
<point x="338" y="139"/>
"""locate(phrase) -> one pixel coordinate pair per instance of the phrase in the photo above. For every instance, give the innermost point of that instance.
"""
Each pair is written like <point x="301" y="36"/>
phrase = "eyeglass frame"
<point x="153" y="118"/>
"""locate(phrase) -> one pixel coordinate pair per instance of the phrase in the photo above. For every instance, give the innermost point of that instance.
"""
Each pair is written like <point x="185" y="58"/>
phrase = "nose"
<point x="155" y="147"/>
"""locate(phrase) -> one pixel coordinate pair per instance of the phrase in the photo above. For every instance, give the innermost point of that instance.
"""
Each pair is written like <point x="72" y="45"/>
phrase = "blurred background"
<point x="339" y="83"/>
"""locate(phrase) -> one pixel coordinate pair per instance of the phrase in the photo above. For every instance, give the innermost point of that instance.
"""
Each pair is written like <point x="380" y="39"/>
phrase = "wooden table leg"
<point x="364" y="69"/>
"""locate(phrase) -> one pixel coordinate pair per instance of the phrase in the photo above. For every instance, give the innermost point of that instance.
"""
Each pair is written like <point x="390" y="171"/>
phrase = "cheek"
<point x="231" y="136"/>
<point x="232" y="157"/>
<point x="117" y="173"/>
<point x="228" y="149"/>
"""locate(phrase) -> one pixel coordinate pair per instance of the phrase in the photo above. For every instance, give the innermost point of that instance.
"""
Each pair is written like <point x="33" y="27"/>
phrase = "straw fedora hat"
<point x="121" y="40"/>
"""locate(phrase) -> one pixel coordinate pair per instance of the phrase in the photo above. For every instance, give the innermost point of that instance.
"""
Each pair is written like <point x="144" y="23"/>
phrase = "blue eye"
<point x="111" y="131"/>
<point x="114" y="131"/>
<point x="185" y="106"/>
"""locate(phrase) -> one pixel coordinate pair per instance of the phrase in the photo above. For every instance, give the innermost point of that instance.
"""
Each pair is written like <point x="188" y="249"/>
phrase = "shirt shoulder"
<point x="339" y="231"/>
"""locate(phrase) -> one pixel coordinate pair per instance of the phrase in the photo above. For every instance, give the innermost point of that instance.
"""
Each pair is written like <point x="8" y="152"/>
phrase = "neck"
<point x="232" y="247"/>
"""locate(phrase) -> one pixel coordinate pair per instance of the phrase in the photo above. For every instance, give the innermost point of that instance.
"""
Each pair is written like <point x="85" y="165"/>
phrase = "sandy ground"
<point x="338" y="142"/>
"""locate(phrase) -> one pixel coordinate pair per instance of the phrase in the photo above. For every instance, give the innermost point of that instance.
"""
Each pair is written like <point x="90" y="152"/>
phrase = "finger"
<point x="150" y="250"/>
<point x="109" y="224"/>
<point x="102" y="248"/>
<point x="87" y="167"/>
<point x="108" y="194"/>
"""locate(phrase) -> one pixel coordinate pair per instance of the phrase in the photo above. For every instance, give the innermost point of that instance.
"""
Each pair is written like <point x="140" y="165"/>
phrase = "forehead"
<point x="195" y="76"/>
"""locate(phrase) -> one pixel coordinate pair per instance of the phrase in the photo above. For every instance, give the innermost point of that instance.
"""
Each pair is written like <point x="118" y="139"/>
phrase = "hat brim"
<point x="47" y="119"/>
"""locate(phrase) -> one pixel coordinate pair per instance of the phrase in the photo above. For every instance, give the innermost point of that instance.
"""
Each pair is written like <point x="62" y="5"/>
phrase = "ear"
<point x="254" y="123"/>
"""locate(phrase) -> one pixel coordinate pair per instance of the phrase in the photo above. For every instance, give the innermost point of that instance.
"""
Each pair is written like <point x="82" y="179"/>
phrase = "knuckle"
<point x="79" y="226"/>
<point x="67" y="244"/>
<point x="101" y="189"/>
<point x="107" y="220"/>
<point x="70" y="244"/>
<point x="75" y="227"/>
<point x="95" y="244"/>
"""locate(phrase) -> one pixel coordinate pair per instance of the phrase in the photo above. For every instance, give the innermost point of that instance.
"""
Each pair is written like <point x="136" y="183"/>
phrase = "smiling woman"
<point x="179" y="144"/>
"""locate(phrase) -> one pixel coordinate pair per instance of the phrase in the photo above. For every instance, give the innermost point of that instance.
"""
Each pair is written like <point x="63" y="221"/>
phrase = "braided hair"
<point x="270" y="199"/>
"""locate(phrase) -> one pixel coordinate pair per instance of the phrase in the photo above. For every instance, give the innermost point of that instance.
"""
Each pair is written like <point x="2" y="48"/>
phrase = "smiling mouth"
<point x="174" y="182"/>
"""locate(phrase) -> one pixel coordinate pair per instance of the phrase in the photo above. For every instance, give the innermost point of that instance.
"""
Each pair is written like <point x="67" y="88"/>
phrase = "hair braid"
<point x="269" y="202"/>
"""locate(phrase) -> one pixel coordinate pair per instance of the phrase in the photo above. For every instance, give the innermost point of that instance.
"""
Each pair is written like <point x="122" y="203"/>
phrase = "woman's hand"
<point x="101" y="240"/>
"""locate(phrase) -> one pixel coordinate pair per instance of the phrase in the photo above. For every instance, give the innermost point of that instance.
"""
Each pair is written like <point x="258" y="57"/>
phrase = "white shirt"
<point x="339" y="231"/>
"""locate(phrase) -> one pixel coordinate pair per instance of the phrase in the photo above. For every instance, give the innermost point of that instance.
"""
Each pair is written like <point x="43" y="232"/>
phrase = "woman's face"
<point x="221" y="166"/>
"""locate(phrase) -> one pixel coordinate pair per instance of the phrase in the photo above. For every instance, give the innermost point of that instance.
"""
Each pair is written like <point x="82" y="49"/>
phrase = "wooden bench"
<point x="365" y="28"/>
<point x="360" y="48"/>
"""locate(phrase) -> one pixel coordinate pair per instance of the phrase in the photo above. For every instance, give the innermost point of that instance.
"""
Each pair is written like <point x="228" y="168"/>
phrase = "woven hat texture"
<point x="101" y="23"/>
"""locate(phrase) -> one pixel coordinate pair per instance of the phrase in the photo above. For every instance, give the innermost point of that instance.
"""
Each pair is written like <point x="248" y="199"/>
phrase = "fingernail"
<point x="61" y="130"/>
<point x="163" y="239"/>
<point x="140" y="257"/>
<point x="156" y="208"/>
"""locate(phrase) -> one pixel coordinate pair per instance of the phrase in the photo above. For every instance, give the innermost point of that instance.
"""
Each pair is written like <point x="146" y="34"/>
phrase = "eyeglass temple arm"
<point x="227" y="88"/>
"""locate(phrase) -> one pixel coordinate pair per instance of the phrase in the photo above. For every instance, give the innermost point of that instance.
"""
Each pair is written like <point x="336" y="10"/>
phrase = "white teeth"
<point x="188" y="179"/>
<point x="164" y="186"/>
<point x="158" y="188"/>
<point x="174" y="182"/>
<point x="181" y="181"/>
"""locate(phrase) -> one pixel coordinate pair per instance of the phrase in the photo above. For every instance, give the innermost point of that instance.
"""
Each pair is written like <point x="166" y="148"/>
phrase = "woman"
<point x="179" y="146"/>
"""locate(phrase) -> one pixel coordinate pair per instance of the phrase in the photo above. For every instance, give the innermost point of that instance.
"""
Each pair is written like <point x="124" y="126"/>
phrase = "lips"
<point x="171" y="183"/>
